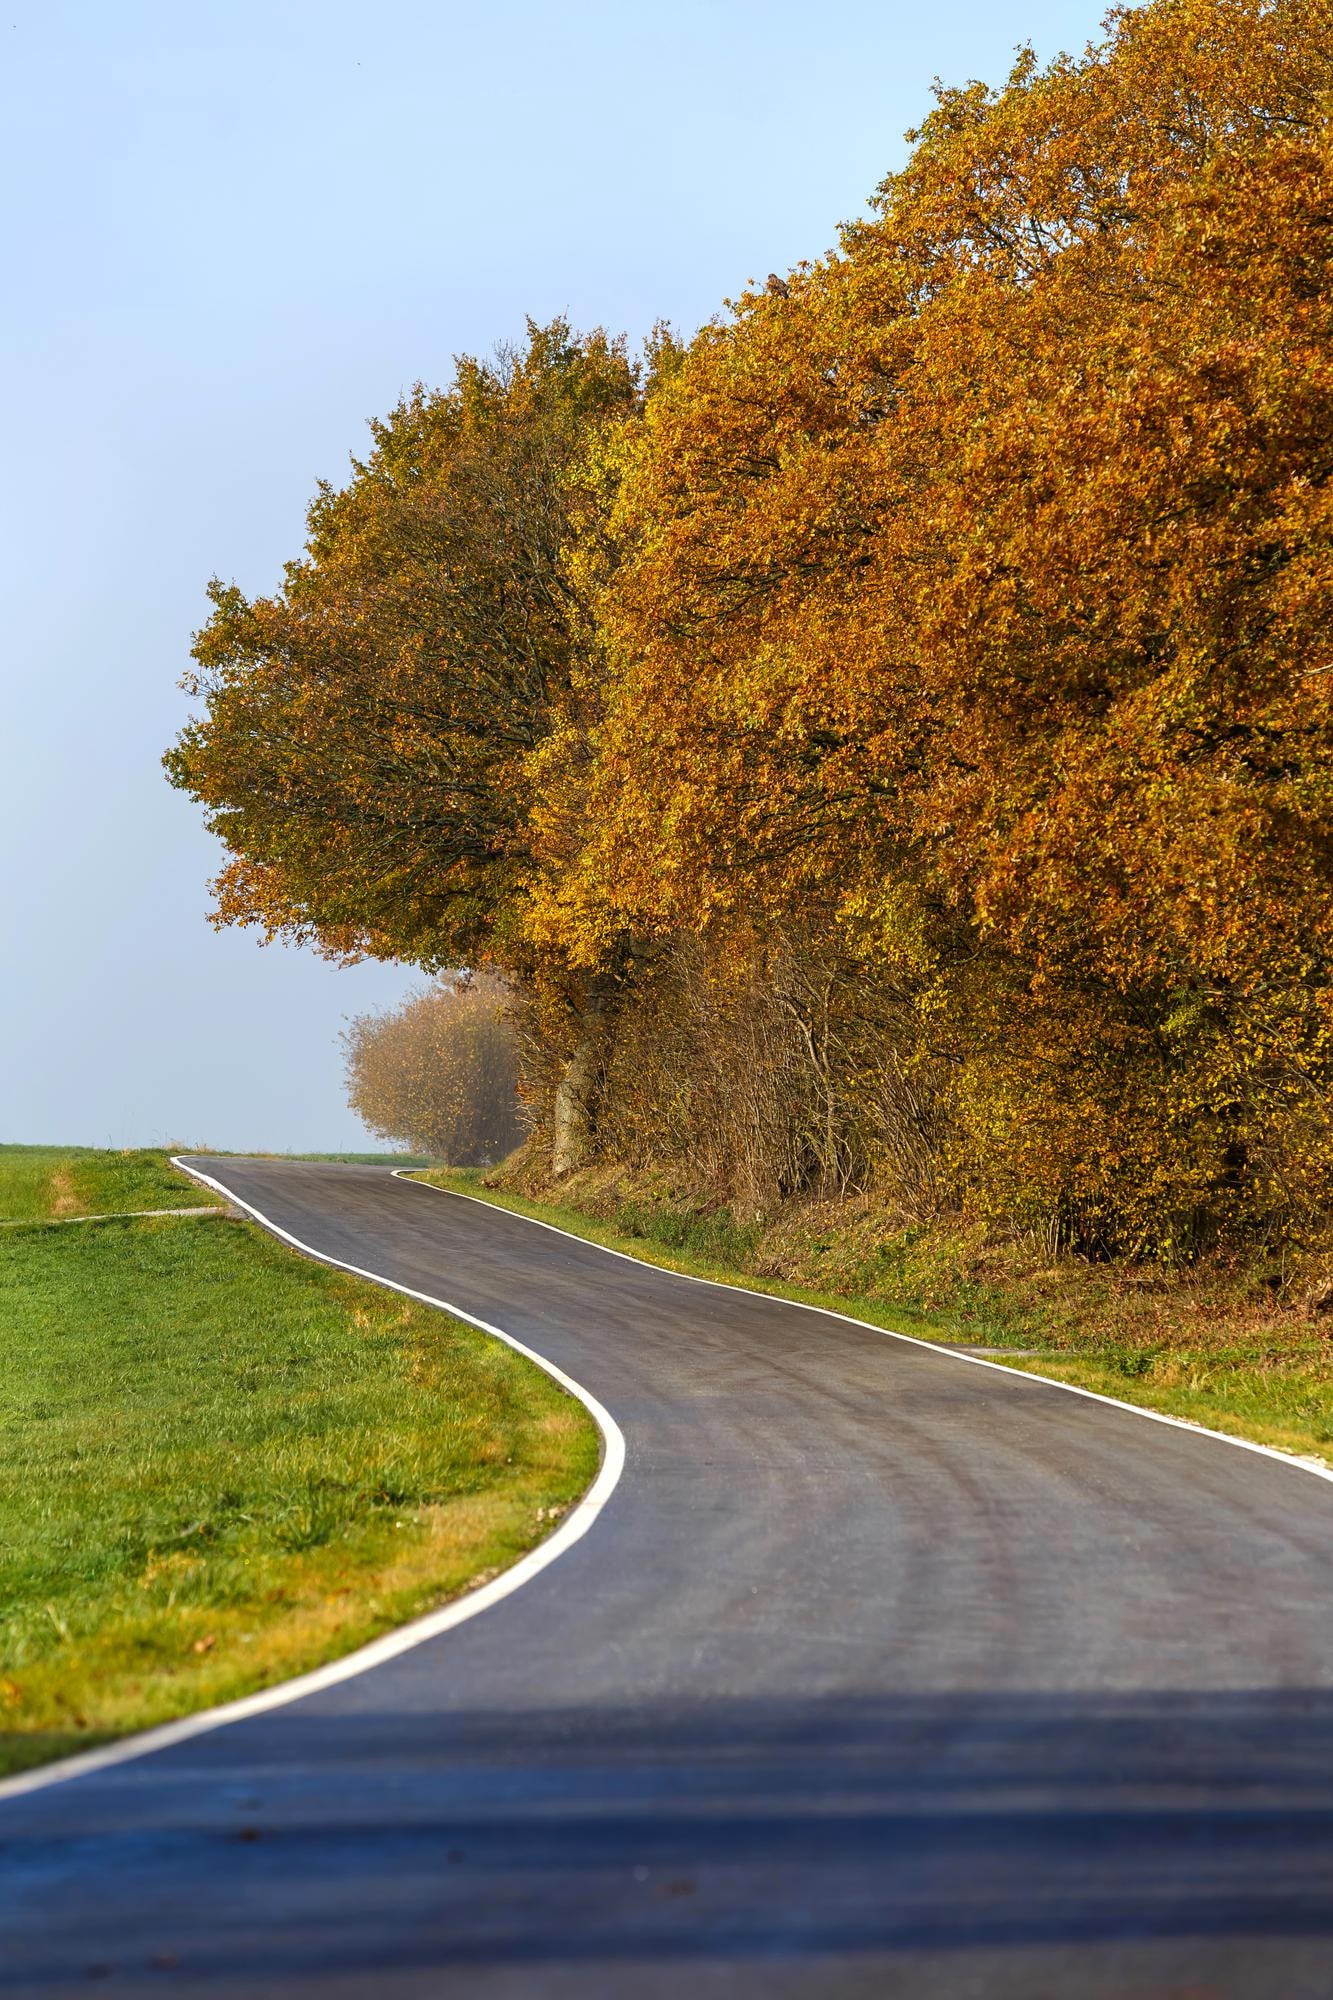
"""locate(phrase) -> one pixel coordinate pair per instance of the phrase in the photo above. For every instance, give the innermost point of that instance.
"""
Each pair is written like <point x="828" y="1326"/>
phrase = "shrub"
<point x="439" y="1073"/>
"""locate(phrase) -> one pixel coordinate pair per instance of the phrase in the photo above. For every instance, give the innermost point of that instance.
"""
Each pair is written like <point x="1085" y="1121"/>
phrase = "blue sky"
<point x="230" y="234"/>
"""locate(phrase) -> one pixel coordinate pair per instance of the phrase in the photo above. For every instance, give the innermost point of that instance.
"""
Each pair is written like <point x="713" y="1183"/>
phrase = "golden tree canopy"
<point x="365" y="733"/>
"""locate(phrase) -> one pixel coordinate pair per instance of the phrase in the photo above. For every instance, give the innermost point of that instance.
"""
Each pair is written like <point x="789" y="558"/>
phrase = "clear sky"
<point x="231" y="233"/>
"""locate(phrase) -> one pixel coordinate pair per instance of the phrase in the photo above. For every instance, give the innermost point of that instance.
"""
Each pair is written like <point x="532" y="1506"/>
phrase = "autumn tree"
<point x="976" y="592"/>
<point x="906" y="716"/>
<point x="439" y="1074"/>
<point x="365" y="743"/>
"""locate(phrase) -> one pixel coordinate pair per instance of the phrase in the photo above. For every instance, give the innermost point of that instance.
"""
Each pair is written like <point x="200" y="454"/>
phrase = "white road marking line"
<point x="572" y="1529"/>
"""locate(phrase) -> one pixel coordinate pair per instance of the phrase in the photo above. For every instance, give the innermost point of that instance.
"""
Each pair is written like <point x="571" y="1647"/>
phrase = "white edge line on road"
<point x="572" y="1529"/>
<point x="1289" y="1458"/>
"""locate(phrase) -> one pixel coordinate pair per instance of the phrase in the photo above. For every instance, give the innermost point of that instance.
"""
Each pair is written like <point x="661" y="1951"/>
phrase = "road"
<point x="879" y="1674"/>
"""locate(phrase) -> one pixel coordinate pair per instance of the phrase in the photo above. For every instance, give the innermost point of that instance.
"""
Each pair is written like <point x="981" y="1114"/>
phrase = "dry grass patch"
<point x="56" y="1183"/>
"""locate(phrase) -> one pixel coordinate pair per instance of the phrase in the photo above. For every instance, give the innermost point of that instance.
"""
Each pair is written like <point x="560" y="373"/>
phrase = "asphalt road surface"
<point x="880" y="1674"/>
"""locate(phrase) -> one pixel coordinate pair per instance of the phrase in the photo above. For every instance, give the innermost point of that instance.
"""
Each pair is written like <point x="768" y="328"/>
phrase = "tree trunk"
<point x="574" y="1118"/>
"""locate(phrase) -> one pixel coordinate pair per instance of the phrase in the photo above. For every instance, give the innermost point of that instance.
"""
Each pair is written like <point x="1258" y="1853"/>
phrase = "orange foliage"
<point x="367" y="729"/>
<point x="961" y="608"/>
<point x="987" y="576"/>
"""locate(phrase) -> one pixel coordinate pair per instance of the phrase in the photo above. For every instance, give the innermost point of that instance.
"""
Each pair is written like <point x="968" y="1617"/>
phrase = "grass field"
<point x="1207" y="1351"/>
<point x="56" y="1183"/>
<point x="222" y="1464"/>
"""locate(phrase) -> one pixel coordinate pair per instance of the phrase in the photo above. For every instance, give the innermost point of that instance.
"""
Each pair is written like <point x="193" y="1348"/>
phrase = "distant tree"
<point x="439" y="1074"/>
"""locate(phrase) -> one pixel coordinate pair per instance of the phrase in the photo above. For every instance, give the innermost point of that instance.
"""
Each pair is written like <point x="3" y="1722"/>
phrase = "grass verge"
<point x="1216" y="1350"/>
<point x="222" y="1464"/>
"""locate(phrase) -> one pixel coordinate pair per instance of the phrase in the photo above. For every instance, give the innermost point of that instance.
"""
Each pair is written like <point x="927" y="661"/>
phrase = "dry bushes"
<point x="759" y="1068"/>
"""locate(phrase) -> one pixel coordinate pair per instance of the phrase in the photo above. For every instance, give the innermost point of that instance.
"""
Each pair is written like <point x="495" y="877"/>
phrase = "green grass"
<point x="1208" y="1351"/>
<point x="222" y="1464"/>
<point x="51" y="1183"/>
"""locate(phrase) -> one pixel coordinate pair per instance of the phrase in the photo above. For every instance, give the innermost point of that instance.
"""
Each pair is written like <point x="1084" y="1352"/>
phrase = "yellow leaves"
<point x="965" y="602"/>
<point x="367" y="729"/>
<point x="1063" y="477"/>
<point x="974" y="576"/>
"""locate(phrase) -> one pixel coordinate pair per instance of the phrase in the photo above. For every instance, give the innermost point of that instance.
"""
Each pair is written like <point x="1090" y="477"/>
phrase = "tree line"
<point x="883" y="742"/>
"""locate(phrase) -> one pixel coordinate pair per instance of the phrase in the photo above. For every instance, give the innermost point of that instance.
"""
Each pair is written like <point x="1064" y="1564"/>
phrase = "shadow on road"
<point x="794" y="1830"/>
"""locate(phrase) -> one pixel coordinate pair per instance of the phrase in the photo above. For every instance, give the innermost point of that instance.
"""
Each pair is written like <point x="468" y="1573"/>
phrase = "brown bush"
<point x="439" y="1073"/>
<point x="762" y="1068"/>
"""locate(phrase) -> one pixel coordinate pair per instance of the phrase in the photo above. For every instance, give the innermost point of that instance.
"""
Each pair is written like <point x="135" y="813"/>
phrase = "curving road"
<point x="880" y="1674"/>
